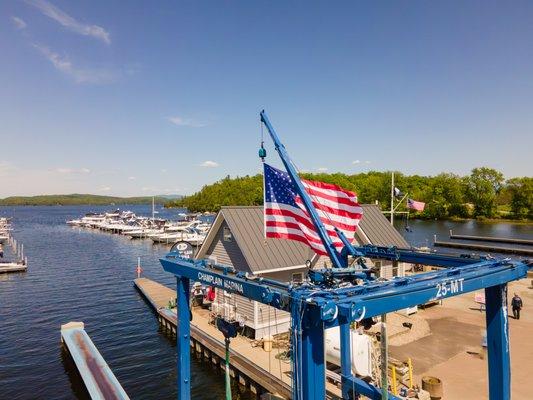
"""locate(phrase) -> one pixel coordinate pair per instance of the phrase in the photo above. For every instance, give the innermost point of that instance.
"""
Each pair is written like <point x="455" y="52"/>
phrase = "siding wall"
<point x="237" y="307"/>
<point x="260" y="317"/>
<point x="227" y="252"/>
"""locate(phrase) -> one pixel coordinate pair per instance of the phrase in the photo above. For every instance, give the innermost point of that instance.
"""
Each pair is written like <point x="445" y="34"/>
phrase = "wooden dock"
<point x="492" y="239"/>
<point x="156" y="294"/>
<point x="485" y="248"/>
<point x="258" y="370"/>
<point x="99" y="380"/>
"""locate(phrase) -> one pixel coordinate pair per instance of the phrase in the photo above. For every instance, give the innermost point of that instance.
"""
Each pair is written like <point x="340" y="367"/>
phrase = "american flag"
<point x="415" y="205"/>
<point x="287" y="218"/>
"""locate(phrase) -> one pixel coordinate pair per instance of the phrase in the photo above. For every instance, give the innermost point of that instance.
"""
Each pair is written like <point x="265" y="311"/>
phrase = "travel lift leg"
<point x="308" y="354"/>
<point x="183" y="341"/>
<point x="346" y="359"/>
<point x="498" y="342"/>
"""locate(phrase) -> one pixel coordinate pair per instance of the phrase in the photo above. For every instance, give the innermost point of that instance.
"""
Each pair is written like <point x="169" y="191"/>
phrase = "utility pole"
<point x="384" y="344"/>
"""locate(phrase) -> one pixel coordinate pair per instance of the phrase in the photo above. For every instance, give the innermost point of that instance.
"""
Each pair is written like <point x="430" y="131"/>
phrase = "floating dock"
<point x="256" y="369"/>
<point x="6" y="267"/>
<point x="492" y="239"/>
<point x="99" y="380"/>
<point x="484" y="248"/>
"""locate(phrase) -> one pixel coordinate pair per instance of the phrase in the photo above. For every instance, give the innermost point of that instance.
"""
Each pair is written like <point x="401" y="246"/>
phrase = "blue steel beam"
<point x="346" y="359"/>
<point x="417" y="257"/>
<point x="256" y="289"/>
<point x="498" y="342"/>
<point x="308" y="357"/>
<point x="367" y="300"/>
<point x="183" y="333"/>
<point x="353" y="383"/>
<point x="376" y="299"/>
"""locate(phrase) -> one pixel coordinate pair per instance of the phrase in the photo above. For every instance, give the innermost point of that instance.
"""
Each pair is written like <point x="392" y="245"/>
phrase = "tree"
<point x="521" y="190"/>
<point x="445" y="194"/>
<point x="482" y="186"/>
<point x="444" y="197"/>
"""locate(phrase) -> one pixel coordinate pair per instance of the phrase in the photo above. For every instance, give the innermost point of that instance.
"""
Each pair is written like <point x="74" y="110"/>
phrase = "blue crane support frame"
<point x="321" y="303"/>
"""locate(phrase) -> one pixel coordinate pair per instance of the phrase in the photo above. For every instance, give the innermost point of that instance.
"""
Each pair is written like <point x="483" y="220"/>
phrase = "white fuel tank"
<point x="361" y="351"/>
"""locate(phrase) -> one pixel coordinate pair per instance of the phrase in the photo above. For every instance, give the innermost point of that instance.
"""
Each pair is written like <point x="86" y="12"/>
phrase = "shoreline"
<point x="453" y="219"/>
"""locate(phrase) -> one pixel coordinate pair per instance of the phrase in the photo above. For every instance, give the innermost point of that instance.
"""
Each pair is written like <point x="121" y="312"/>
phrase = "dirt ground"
<point x="451" y="350"/>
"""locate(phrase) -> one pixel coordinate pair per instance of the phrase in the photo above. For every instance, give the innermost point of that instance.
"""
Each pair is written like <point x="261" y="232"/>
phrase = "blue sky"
<point x="141" y="98"/>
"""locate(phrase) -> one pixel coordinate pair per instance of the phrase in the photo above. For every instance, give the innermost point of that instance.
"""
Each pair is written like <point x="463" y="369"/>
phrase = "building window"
<point x="226" y="234"/>
<point x="298" y="277"/>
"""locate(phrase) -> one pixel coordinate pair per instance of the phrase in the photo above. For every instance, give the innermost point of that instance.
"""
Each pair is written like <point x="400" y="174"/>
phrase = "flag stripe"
<point x="328" y="196"/>
<point x="302" y="217"/>
<point x="328" y="188"/>
<point x="279" y="222"/>
<point x="415" y="205"/>
<point x="287" y="218"/>
<point x="332" y="208"/>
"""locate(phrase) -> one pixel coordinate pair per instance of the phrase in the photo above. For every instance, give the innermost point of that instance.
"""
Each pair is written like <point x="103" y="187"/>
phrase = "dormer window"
<point x="227" y="235"/>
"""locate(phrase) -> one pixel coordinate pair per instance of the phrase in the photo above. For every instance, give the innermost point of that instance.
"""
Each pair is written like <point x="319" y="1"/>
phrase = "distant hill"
<point x="79" y="199"/>
<point x="170" y="196"/>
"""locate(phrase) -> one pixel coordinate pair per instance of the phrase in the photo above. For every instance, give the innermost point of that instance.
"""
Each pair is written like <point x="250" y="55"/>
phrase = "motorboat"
<point x="143" y="233"/>
<point x="186" y="234"/>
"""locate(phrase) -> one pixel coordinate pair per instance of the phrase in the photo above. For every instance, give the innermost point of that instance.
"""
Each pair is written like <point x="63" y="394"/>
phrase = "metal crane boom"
<point x="336" y="258"/>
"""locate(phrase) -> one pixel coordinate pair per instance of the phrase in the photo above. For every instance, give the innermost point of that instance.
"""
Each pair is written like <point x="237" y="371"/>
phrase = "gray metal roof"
<point x="246" y="224"/>
<point x="261" y="254"/>
<point x="378" y="229"/>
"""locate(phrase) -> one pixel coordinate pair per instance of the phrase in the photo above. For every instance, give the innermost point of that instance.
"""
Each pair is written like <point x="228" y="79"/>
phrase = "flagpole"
<point x="392" y="200"/>
<point x="400" y="202"/>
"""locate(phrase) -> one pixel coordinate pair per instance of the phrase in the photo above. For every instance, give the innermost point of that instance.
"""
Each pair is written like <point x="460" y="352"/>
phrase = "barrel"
<point x="433" y="386"/>
<point x="267" y="343"/>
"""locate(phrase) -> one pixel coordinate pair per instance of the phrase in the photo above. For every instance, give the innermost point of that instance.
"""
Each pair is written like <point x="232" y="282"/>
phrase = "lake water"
<point x="87" y="275"/>
<point x="421" y="233"/>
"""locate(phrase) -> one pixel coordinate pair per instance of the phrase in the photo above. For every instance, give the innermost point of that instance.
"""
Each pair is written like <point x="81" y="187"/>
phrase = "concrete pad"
<point x="456" y="328"/>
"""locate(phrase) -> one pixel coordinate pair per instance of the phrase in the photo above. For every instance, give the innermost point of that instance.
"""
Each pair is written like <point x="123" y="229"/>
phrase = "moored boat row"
<point x="189" y="229"/>
<point x="18" y="261"/>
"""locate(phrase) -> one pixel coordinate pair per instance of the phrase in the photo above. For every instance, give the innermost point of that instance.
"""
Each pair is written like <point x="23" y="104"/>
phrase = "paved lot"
<point x="457" y="328"/>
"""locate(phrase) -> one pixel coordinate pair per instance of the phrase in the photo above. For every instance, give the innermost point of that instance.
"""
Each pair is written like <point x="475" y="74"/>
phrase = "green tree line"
<point x="482" y="194"/>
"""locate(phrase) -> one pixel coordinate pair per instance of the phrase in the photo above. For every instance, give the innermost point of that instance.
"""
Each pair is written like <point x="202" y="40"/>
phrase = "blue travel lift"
<point x="346" y="293"/>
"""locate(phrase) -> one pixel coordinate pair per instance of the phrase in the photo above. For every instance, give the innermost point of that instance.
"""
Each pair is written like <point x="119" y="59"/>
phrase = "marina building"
<point x="237" y="239"/>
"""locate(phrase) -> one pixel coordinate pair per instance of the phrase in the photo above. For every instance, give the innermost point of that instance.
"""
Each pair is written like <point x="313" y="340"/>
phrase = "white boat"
<point x="143" y="233"/>
<point x="13" y="266"/>
<point x="185" y="234"/>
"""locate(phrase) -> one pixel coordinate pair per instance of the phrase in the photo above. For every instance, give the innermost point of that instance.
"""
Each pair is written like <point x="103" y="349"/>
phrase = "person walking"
<point x="517" y="305"/>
